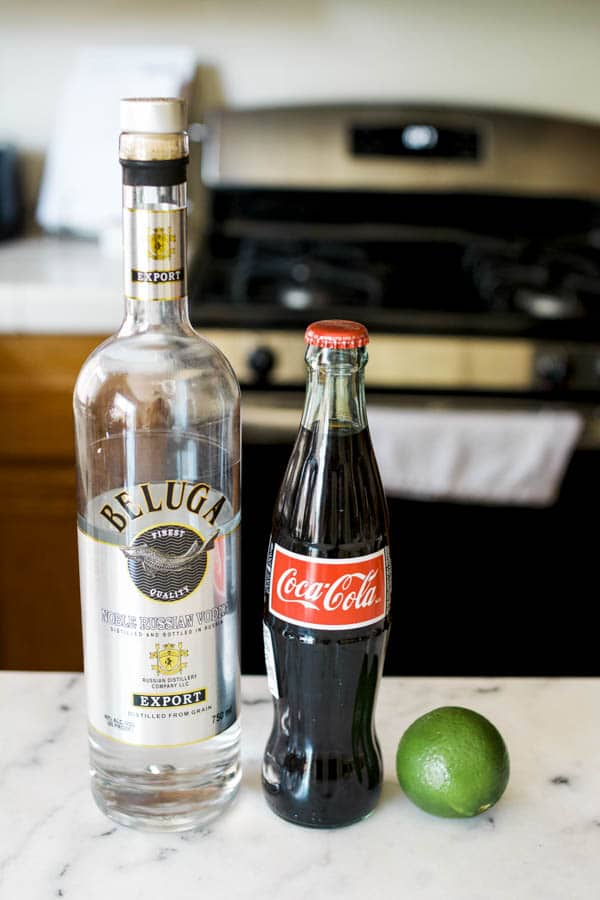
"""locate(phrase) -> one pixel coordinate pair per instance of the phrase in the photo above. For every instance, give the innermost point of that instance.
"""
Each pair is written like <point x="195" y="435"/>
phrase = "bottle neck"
<point x="335" y="390"/>
<point x="154" y="258"/>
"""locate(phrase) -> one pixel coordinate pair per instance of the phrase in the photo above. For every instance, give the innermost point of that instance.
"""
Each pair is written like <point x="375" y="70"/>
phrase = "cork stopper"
<point x="153" y="129"/>
<point x="153" y="115"/>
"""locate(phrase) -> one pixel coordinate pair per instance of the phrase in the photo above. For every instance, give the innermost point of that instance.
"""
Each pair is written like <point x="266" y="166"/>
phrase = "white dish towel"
<point x="471" y="456"/>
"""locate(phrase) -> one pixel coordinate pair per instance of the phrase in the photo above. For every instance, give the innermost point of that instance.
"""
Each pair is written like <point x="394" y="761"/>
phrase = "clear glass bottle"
<point x="158" y="453"/>
<point x="327" y="609"/>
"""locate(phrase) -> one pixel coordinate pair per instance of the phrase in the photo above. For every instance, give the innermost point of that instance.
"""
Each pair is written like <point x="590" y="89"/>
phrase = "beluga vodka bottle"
<point x="158" y="454"/>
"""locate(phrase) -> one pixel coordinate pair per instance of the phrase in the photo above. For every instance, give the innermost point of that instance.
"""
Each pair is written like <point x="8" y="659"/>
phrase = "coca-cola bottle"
<point x="327" y="597"/>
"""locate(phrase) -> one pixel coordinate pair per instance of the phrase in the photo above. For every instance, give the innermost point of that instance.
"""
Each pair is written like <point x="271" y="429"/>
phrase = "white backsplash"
<point x="523" y="54"/>
<point x="519" y="53"/>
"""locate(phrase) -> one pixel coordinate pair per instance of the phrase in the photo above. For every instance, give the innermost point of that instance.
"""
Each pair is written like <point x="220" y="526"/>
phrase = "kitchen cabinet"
<point x="39" y="591"/>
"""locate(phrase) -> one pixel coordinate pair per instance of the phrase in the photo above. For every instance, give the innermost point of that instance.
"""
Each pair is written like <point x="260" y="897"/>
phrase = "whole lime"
<point x="452" y="762"/>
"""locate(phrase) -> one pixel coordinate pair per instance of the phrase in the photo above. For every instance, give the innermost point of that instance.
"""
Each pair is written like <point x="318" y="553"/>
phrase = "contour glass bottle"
<point x="327" y="597"/>
<point x="158" y="454"/>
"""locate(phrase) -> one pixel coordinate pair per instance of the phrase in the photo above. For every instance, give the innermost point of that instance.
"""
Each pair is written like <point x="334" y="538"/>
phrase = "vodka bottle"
<point x="158" y="447"/>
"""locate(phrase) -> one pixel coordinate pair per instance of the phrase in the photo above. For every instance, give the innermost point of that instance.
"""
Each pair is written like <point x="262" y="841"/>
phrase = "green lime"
<point x="452" y="762"/>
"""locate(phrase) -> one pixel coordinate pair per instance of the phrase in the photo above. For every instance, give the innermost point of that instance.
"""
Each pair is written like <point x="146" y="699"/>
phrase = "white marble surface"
<point x="541" y="842"/>
<point x="59" y="285"/>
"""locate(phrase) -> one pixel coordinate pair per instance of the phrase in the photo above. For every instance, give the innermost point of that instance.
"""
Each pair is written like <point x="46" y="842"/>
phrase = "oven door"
<point x="477" y="589"/>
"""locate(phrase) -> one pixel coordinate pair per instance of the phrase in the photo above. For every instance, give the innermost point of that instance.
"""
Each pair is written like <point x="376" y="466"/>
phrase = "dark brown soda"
<point x="322" y="765"/>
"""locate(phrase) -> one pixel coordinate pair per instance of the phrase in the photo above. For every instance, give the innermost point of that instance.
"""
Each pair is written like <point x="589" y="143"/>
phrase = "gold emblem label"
<point x="169" y="660"/>
<point x="161" y="243"/>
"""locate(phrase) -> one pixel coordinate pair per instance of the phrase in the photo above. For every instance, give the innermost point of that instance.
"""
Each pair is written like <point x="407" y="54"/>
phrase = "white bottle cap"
<point x="153" y="115"/>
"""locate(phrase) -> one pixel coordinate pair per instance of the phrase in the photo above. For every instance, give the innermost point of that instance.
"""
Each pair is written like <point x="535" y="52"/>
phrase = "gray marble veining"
<point x="541" y="842"/>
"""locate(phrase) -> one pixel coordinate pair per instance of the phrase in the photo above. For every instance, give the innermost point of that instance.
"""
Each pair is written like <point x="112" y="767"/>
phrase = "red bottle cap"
<point x="337" y="334"/>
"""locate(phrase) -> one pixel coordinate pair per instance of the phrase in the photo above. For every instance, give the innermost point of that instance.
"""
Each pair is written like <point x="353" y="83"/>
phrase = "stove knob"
<point x="261" y="362"/>
<point x="553" y="369"/>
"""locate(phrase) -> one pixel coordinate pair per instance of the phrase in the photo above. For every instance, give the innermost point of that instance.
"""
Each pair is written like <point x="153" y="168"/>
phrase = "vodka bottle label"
<point x="158" y="613"/>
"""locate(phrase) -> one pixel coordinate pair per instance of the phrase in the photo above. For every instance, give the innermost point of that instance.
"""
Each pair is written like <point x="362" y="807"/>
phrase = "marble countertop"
<point x="541" y="842"/>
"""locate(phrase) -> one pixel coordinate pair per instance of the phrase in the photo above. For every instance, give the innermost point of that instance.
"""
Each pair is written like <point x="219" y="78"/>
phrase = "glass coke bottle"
<point x="327" y="597"/>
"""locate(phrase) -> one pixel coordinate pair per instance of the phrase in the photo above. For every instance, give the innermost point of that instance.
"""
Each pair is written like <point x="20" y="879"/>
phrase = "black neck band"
<point x="156" y="173"/>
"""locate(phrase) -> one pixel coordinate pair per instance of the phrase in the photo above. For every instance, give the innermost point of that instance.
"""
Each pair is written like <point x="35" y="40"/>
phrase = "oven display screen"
<point x="418" y="140"/>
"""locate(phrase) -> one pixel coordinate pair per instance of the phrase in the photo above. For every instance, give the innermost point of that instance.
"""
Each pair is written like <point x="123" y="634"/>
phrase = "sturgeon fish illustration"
<point x="156" y="561"/>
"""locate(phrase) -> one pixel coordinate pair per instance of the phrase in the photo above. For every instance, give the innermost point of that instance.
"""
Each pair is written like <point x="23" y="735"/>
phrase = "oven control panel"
<point x="275" y="359"/>
<point x="567" y="368"/>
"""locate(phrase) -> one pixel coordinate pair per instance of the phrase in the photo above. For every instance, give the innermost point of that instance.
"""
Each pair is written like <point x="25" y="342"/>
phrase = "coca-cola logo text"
<point x="328" y="593"/>
<point x="354" y="589"/>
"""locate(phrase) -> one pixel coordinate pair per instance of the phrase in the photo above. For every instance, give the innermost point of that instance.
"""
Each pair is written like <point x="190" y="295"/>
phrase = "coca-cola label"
<point x="328" y="593"/>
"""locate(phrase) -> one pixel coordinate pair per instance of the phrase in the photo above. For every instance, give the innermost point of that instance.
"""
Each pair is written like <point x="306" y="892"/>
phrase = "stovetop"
<point x="523" y="289"/>
<point x="449" y="264"/>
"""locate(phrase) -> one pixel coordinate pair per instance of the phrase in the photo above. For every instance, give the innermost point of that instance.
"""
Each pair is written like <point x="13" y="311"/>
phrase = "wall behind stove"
<point x="530" y="54"/>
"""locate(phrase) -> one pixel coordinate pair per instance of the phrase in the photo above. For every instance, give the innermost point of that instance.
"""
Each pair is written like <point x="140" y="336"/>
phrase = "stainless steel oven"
<point x="468" y="241"/>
